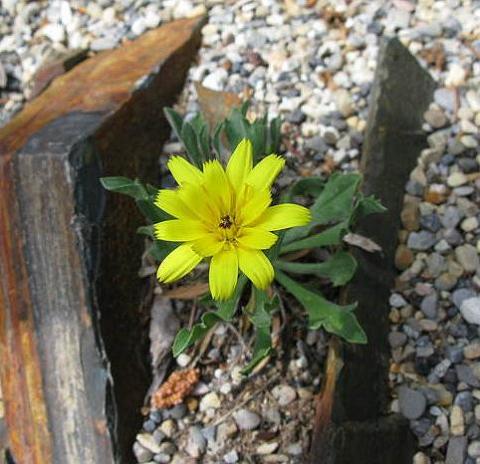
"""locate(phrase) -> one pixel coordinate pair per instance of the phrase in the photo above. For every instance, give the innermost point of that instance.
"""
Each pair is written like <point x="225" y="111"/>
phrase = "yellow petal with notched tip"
<point x="208" y="245"/>
<point x="183" y="171"/>
<point x="217" y="186"/>
<point x="256" y="238"/>
<point x="223" y="274"/>
<point x="283" y="216"/>
<point x="179" y="230"/>
<point x="256" y="266"/>
<point x="265" y="172"/>
<point x="171" y="202"/>
<point x="178" y="264"/>
<point x="240" y="164"/>
<point x="198" y="201"/>
<point x="252" y="204"/>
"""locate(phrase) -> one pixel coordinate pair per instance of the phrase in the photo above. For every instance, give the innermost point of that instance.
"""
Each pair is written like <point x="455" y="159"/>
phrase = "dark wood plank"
<point x="72" y="364"/>
<point x="359" y="428"/>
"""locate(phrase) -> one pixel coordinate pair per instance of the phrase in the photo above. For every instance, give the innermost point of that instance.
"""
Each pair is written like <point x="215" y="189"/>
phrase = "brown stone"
<point x="410" y="214"/>
<point x="435" y="197"/>
<point x="403" y="257"/>
<point x="71" y="330"/>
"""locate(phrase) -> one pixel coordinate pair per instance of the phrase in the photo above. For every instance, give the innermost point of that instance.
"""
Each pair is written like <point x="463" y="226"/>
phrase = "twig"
<point x="245" y="401"/>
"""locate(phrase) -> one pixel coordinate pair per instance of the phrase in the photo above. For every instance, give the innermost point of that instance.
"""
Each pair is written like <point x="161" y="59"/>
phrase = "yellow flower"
<point x="225" y="215"/>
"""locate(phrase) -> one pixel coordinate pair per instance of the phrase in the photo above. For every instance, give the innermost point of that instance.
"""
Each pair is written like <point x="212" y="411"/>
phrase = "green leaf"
<point x="328" y="237"/>
<point x="225" y="312"/>
<point x="340" y="268"/>
<point x="152" y="212"/>
<point x="262" y="320"/>
<point x="126" y="186"/>
<point x="257" y="135"/>
<point x="159" y="249"/>
<point x="175" y="121"/>
<point x="312" y="186"/>
<point x="368" y="205"/>
<point x="274" y="136"/>
<point x="204" y="142"/>
<point x="244" y="107"/>
<point x="335" y="319"/>
<point x="146" y="230"/>
<point x="217" y="145"/>
<point x="236" y="128"/>
<point x="334" y="204"/>
<point x="189" y="139"/>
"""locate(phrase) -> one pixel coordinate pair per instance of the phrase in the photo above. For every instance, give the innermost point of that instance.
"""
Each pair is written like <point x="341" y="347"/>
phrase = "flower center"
<point x="225" y="222"/>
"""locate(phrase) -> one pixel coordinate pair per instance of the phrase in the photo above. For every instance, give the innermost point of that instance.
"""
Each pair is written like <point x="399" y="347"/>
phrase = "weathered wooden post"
<point x="358" y="429"/>
<point x="72" y="373"/>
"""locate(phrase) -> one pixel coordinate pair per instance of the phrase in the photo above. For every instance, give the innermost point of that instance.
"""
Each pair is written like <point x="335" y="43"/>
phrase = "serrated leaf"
<point x="175" y="121"/>
<point x="225" y="312"/>
<point x="335" y="319"/>
<point x="328" y="237"/>
<point x="334" y="204"/>
<point x="312" y="186"/>
<point x="189" y="140"/>
<point x="126" y="186"/>
<point x="236" y="128"/>
<point x="368" y="205"/>
<point x="340" y="268"/>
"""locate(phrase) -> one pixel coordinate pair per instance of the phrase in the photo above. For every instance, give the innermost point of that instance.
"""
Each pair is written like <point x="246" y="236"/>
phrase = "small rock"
<point x="429" y="306"/>
<point x="412" y="403"/>
<point x="216" y="80"/>
<point x="267" y="448"/>
<point x="142" y="454"/>
<point x="457" y="421"/>
<point x="397" y="339"/>
<point x="196" y="443"/>
<point x="474" y="449"/>
<point x="168" y="427"/>
<point x="246" y="419"/>
<point x="210" y="401"/>
<point x="456" y="179"/>
<point x="469" y="224"/>
<point x="148" y="442"/>
<point x="457" y="447"/>
<point x="403" y="257"/>
<point x="472" y="350"/>
<point x="231" y="457"/>
<point x="284" y="394"/>
<point x="467" y="257"/>
<point x="344" y="102"/>
<point x="470" y="310"/>
<point x="436" y="118"/>
<point x="183" y="360"/>
<point x="421" y="241"/>
<point x="421" y="458"/>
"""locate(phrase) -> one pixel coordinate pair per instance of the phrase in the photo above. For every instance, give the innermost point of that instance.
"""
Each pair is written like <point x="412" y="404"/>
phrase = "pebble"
<point x="231" y="457"/>
<point x="421" y="241"/>
<point x="210" y="401"/>
<point x="470" y="309"/>
<point x="142" y="454"/>
<point x="246" y="419"/>
<point x="412" y="403"/>
<point x="457" y="421"/>
<point x="467" y="256"/>
<point x="284" y="394"/>
<point x="196" y="444"/>
<point x="267" y="448"/>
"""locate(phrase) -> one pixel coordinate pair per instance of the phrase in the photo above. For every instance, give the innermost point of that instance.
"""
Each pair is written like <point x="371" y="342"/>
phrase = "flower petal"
<point x="251" y="204"/>
<point x="240" y="163"/>
<point x="265" y="172"/>
<point x="171" y="202"/>
<point x="223" y="274"/>
<point x="183" y="171"/>
<point x="256" y="266"/>
<point x="197" y="200"/>
<point x="256" y="238"/>
<point x="216" y="186"/>
<point x="179" y="230"/>
<point x="283" y="216"/>
<point x="208" y="245"/>
<point x="178" y="264"/>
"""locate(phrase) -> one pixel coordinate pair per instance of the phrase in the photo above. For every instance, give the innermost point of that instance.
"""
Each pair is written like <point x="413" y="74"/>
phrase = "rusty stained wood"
<point x="71" y="370"/>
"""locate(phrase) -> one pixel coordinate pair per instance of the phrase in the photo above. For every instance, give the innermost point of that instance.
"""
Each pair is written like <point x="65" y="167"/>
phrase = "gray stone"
<point x="467" y="256"/>
<point x="246" y="419"/>
<point x="397" y="339"/>
<point x="436" y="118"/>
<point x="142" y="454"/>
<point x="412" y="403"/>
<point x="284" y="394"/>
<point x="397" y="301"/>
<point x="457" y="447"/>
<point x="231" y="457"/>
<point x="453" y="236"/>
<point x="465" y="374"/>
<point x="196" y="443"/>
<point x="451" y="217"/>
<point x="460" y="295"/>
<point x="429" y="306"/>
<point x="421" y="241"/>
<point x="446" y="98"/>
<point x="470" y="309"/>
<point x="176" y="412"/>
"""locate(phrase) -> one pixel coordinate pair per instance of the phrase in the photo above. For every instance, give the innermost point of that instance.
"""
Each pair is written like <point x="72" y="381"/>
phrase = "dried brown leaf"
<point x="362" y="242"/>
<point x="187" y="292"/>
